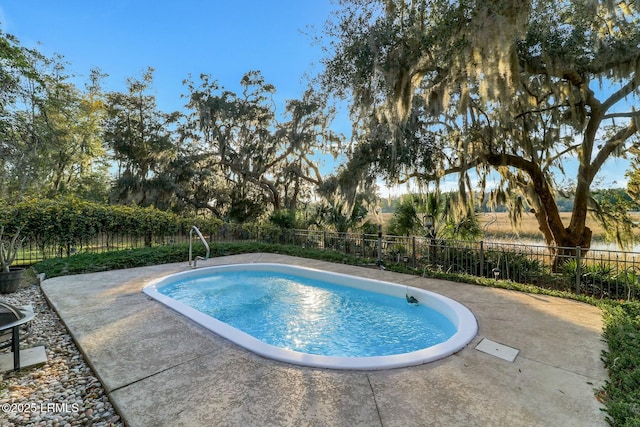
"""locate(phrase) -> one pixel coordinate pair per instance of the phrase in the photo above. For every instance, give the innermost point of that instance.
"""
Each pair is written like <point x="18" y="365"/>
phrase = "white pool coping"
<point x="461" y="317"/>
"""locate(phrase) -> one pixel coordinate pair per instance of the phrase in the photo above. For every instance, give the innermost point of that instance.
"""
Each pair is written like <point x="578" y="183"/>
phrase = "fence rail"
<point x="601" y="273"/>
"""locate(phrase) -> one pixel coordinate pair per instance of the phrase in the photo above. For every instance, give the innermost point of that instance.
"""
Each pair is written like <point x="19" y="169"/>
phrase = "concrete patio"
<point x="161" y="369"/>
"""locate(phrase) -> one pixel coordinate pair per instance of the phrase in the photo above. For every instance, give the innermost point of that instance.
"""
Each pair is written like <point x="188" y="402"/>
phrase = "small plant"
<point x="8" y="249"/>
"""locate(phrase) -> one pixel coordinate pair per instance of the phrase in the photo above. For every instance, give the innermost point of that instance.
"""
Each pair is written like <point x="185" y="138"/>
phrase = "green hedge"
<point x="69" y="221"/>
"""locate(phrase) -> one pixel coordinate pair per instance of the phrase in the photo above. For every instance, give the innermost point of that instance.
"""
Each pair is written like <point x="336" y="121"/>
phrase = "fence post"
<point x="481" y="258"/>
<point x="324" y="239"/>
<point x="413" y="251"/>
<point x="362" y="249"/>
<point x="379" y="243"/>
<point x="578" y="269"/>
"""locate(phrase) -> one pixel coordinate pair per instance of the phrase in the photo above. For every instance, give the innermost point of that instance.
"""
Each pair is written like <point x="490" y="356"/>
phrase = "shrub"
<point x="601" y="280"/>
<point x="621" y="393"/>
<point x="284" y="218"/>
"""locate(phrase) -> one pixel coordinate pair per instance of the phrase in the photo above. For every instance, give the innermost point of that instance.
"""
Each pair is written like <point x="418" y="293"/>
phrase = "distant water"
<point x="595" y="245"/>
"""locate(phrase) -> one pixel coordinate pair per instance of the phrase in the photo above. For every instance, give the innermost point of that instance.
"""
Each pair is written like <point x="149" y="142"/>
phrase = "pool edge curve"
<point x="458" y="314"/>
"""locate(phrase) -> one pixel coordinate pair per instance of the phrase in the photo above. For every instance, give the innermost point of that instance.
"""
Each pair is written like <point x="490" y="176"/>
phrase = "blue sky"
<point x="178" y="38"/>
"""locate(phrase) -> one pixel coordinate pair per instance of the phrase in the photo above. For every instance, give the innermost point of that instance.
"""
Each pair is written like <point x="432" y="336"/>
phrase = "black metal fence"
<point x="601" y="273"/>
<point x="596" y="272"/>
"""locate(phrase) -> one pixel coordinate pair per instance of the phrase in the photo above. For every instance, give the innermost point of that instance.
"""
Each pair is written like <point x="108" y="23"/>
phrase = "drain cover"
<point x="498" y="350"/>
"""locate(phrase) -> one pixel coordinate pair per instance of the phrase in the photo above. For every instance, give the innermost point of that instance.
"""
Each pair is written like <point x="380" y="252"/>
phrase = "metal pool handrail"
<point x="206" y="245"/>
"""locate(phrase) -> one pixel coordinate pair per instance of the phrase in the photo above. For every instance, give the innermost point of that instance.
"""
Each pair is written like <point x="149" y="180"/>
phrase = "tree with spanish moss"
<point x="142" y="142"/>
<point x="267" y="164"/>
<point x="510" y="88"/>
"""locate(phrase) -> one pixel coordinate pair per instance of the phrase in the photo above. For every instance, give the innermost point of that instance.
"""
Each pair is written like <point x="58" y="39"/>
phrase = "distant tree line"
<point x="612" y="196"/>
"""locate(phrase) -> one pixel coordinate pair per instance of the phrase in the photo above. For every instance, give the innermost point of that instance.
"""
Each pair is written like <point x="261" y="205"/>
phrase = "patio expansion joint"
<point x="109" y="392"/>
<point x="375" y="401"/>
<point x="73" y="316"/>
<point x="580" y="374"/>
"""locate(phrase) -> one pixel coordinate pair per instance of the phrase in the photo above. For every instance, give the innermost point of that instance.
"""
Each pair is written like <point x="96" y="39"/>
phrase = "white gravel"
<point x="62" y="392"/>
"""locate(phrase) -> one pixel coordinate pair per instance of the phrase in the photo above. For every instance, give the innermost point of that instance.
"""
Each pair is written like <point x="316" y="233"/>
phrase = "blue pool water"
<point x="311" y="316"/>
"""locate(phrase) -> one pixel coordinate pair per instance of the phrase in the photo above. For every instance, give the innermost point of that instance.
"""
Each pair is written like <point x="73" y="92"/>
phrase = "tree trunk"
<point x="562" y="241"/>
<point x="567" y="248"/>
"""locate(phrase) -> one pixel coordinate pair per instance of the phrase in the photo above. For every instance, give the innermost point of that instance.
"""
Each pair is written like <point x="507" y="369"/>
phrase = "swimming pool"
<point x="295" y="322"/>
